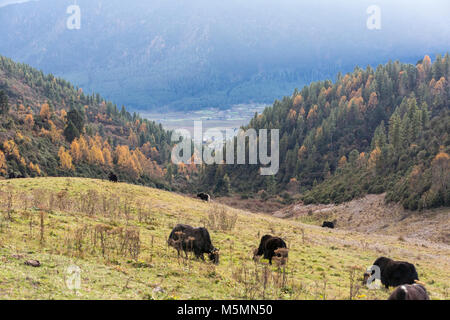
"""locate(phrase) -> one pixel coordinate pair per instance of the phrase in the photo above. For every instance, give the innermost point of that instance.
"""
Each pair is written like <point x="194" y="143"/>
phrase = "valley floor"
<point x="117" y="235"/>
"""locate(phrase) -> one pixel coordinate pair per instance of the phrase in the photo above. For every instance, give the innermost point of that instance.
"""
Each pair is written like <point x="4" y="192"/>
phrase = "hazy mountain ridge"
<point x="208" y="53"/>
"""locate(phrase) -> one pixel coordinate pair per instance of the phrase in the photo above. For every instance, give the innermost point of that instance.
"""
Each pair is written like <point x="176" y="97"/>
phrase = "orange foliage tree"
<point x="29" y="121"/>
<point x="441" y="171"/>
<point x="75" y="151"/>
<point x="45" y="111"/>
<point x="3" y="164"/>
<point x="65" y="159"/>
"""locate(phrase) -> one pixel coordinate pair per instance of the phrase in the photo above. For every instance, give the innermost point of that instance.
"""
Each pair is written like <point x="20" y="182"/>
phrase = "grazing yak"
<point x="204" y="196"/>
<point x="112" y="177"/>
<point x="414" y="291"/>
<point x="394" y="273"/>
<point x="268" y="246"/>
<point x="328" y="224"/>
<point x="187" y="238"/>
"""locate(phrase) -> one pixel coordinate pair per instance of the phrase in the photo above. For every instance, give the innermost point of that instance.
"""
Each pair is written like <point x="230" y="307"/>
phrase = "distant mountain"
<point x="182" y="55"/>
<point x="8" y="2"/>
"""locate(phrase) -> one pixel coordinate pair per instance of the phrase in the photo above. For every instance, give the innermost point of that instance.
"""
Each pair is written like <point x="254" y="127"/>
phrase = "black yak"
<point x="328" y="224"/>
<point x="268" y="246"/>
<point x="187" y="238"/>
<point x="204" y="196"/>
<point x="394" y="273"/>
<point x="410" y="292"/>
<point x="112" y="177"/>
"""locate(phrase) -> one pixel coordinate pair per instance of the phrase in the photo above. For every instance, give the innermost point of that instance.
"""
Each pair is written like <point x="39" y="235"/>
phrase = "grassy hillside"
<point x="116" y="234"/>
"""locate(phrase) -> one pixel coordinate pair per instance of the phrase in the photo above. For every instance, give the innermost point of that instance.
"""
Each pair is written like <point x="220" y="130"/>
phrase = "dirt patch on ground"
<point x="372" y="215"/>
<point x="254" y="205"/>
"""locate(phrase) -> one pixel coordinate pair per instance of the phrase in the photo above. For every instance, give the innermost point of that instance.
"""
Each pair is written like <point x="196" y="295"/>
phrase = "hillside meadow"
<point x="117" y="235"/>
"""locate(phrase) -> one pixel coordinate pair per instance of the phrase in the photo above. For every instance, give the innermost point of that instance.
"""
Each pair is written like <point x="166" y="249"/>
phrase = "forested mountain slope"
<point x="49" y="127"/>
<point x="371" y="131"/>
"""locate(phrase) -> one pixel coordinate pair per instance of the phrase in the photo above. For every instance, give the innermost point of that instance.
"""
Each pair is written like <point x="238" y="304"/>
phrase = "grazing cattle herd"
<point x="400" y="274"/>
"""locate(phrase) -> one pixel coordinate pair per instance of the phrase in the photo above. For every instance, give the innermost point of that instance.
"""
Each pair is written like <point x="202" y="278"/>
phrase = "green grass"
<point x="318" y="265"/>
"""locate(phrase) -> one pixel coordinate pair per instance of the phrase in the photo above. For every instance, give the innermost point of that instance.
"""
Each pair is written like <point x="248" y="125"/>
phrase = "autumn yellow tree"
<point x="63" y="115"/>
<point x="35" y="168"/>
<point x="292" y="116"/>
<point x="373" y="157"/>
<point x="45" y="111"/>
<point x="75" y="151"/>
<point x="182" y="168"/>
<point x="361" y="159"/>
<point x="29" y="121"/>
<point x="298" y="100"/>
<point x="122" y="155"/>
<point x="65" y="159"/>
<point x="3" y="164"/>
<point x="146" y="149"/>
<point x="342" y="162"/>
<point x="96" y="156"/>
<point x="84" y="147"/>
<point x="301" y="152"/>
<point x="373" y="100"/>
<point x="441" y="171"/>
<point x="55" y="134"/>
<point x="107" y="155"/>
<point x="11" y="149"/>
<point x="132" y="139"/>
<point x="426" y="64"/>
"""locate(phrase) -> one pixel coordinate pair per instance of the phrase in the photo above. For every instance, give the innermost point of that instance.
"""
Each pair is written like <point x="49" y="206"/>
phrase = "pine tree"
<point x="4" y="106"/>
<point x="226" y="185"/>
<point x="271" y="185"/>
<point x="394" y="131"/>
<point x="77" y="119"/>
<point x="169" y="173"/>
<point x="71" y="132"/>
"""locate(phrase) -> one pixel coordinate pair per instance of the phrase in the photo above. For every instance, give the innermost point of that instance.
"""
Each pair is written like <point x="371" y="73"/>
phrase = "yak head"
<point x="367" y="274"/>
<point x="366" y="277"/>
<point x="214" y="256"/>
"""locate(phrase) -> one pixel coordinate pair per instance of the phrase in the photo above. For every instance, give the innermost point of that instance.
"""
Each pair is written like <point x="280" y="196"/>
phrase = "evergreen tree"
<point x="4" y="106"/>
<point x="71" y="132"/>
